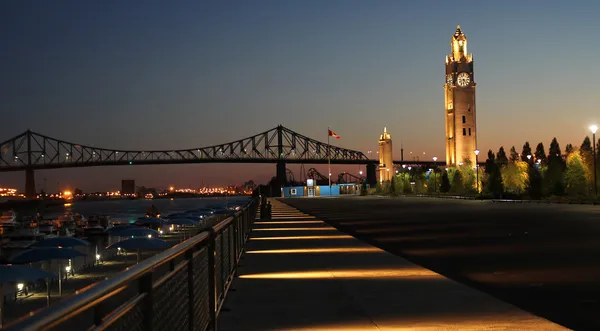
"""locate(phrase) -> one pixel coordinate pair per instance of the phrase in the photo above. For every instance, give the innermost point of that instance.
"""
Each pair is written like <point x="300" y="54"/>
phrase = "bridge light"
<point x="130" y="163"/>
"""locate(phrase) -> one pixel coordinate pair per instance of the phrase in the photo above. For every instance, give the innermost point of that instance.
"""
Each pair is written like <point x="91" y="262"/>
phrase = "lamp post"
<point x="477" y="168"/>
<point x="594" y="128"/>
<point x="435" y="174"/>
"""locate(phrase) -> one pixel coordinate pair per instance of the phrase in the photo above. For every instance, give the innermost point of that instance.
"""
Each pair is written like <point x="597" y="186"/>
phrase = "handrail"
<point x="98" y="292"/>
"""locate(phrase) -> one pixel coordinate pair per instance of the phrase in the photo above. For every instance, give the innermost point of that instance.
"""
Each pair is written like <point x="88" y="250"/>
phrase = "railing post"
<point x="212" y="286"/>
<point x="189" y="257"/>
<point x="145" y="286"/>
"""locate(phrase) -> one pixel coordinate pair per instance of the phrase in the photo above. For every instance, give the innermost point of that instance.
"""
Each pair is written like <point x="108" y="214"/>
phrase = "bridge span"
<point x="32" y="151"/>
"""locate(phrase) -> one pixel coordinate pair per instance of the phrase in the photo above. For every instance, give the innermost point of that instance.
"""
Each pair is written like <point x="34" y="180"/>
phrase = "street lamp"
<point x="594" y="128"/>
<point x="477" y="167"/>
<point x="434" y="174"/>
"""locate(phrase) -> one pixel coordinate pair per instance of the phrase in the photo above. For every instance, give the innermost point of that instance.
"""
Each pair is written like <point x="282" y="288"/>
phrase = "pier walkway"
<point x="299" y="273"/>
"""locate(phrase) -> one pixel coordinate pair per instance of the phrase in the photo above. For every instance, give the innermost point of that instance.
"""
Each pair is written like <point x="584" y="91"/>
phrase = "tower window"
<point x="464" y="119"/>
<point x="469" y="131"/>
<point x="464" y="132"/>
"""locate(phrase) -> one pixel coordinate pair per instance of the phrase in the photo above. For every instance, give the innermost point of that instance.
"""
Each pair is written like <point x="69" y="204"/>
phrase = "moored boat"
<point x="8" y="221"/>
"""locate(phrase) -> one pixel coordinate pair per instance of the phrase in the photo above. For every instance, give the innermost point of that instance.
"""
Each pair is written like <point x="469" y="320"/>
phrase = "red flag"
<point x="332" y="134"/>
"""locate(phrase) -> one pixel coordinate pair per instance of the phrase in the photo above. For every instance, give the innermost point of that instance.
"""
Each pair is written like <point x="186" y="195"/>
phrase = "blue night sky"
<point x="183" y="74"/>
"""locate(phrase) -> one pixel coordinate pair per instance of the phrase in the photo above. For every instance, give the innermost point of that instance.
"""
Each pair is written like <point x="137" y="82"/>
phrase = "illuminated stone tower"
<point x="386" y="161"/>
<point x="461" y="125"/>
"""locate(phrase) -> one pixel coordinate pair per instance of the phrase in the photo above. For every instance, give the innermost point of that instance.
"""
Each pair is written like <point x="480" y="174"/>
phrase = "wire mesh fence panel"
<point x="232" y="243"/>
<point x="218" y="271"/>
<point x="170" y="302"/>
<point x="133" y="320"/>
<point x="225" y="256"/>
<point x="201" y="290"/>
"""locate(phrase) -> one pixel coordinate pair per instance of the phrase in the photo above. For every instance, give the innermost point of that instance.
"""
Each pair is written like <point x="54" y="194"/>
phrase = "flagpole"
<point x="328" y="160"/>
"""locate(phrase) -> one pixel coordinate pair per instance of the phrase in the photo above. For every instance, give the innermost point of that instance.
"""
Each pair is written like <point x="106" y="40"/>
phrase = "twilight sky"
<point x="182" y="74"/>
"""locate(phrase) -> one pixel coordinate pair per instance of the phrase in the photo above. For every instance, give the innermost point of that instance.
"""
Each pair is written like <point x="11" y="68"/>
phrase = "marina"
<point x="141" y="227"/>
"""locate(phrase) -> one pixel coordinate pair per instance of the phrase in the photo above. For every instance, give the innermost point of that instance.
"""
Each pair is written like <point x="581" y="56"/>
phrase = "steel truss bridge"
<point x="32" y="151"/>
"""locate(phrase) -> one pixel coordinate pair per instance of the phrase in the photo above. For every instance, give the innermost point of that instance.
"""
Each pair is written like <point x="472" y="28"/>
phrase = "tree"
<point x="515" y="177"/>
<point x="569" y="149"/>
<point x="514" y="156"/>
<point x="540" y="154"/>
<point x="457" y="186"/>
<point x="501" y="158"/>
<point x="575" y="176"/>
<point x="494" y="176"/>
<point x="468" y="177"/>
<point x="534" y="184"/>
<point x="398" y="184"/>
<point x="526" y="151"/>
<point x="554" y="179"/>
<point x="587" y="158"/>
<point x="445" y="185"/>
<point x="393" y="185"/>
<point x="586" y="145"/>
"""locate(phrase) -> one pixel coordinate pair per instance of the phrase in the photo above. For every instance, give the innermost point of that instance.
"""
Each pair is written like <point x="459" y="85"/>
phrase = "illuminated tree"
<point x="515" y="177"/>
<point x="575" y="175"/>
<point x="468" y="176"/>
<point x="501" y="158"/>
<point x="514" y="156"/>
<point x="398" y="183"/>
<point x="457" y="186"/>
<point x="420" y="180"/>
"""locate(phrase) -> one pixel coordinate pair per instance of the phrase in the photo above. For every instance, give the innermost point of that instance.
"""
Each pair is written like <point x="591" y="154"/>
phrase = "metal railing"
<point x="181" y="288"/>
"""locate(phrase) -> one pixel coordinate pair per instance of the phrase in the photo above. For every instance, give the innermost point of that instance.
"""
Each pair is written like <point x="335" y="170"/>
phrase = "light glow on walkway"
<point x="289" y="222"/>
<point x="325" y="228"/>
<point x="413" y="273"/>
<point x="303" y="237"/>
<point x="318" y="250"/>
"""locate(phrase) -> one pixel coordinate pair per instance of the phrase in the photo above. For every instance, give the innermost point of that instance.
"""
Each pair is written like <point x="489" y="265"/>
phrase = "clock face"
<point x="463" y="79"/>
<point x="449" y="79"/>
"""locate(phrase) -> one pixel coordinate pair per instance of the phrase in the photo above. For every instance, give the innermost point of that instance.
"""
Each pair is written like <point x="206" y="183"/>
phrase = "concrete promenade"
<point x="299" y="273"/>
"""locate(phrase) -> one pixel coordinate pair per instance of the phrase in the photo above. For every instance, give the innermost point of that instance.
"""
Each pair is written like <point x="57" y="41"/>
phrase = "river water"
<point x="130" y="210"/>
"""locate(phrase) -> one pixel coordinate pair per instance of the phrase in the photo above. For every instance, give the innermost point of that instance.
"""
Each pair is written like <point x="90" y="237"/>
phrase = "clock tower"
<point x="459" y="91"/>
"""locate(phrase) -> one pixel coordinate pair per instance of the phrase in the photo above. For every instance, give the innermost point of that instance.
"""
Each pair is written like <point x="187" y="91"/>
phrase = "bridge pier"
<point x="30" y="193"/>
<point x="281" y="174"/>
<point x="371" y="174"/>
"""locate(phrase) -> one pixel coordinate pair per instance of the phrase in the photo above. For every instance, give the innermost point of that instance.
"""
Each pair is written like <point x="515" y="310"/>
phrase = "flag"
<point x="332" y="134"/>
